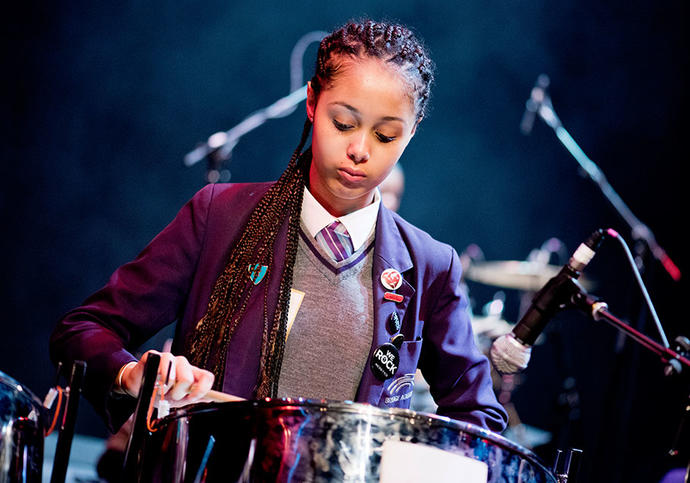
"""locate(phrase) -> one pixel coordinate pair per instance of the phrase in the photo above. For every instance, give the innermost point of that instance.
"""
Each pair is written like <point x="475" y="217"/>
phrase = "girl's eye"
<point x="340" y="126"/>
<point x="384" y="139"/>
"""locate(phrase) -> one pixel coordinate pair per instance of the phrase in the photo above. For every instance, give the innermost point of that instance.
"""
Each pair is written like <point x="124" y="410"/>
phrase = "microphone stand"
<point x="540" y="103"/>
<point x="674" y="360"/>
<point x="639" y="230"/>
<point x="218" y="148"/>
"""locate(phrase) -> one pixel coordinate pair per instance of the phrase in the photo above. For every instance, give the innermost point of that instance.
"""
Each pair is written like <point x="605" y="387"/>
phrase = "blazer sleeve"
<point x="141" y="297"/>
<point x="457" y="372"/>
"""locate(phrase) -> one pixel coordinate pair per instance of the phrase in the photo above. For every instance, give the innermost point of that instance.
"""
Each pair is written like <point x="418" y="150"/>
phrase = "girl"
<point x="308" y="286"/>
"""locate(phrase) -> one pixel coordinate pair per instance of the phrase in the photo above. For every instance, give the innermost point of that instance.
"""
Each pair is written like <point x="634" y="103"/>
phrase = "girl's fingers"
<point x="182" y="382"/>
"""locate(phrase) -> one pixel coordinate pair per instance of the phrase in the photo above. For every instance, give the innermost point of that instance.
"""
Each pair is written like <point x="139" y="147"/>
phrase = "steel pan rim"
<point x="360" y="408"/>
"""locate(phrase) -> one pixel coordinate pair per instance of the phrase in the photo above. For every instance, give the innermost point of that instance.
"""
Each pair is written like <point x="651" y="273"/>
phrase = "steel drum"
<point x="302" y="440"/>
<point x="22" y="428"/>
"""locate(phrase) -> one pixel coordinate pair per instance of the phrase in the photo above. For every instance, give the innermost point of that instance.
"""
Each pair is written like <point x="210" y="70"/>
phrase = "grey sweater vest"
<point x="328" y="343"/>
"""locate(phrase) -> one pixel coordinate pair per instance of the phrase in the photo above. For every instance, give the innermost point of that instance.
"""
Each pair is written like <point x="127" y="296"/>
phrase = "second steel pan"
<point x="21" y="433"/>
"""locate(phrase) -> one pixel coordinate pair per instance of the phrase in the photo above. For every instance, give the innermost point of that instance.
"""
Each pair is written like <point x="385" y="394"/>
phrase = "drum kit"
<point x="294" y="440"/>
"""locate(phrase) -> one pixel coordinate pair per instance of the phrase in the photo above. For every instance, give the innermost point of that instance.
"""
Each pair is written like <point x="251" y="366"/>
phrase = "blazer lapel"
<point x="390" y="251"/>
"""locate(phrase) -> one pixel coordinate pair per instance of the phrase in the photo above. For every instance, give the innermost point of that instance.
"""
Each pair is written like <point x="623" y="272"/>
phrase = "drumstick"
<point x="217" y="396"/>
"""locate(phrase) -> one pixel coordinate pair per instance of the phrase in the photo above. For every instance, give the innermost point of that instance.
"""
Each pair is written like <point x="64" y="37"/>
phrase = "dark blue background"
<point x="103" y="101"/>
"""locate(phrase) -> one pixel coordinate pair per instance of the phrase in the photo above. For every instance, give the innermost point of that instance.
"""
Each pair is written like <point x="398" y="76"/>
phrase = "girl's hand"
<point x="187" y="384"/>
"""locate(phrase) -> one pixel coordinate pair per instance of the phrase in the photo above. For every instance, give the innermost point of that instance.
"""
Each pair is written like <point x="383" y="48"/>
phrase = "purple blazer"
<point x="171" y="280"/>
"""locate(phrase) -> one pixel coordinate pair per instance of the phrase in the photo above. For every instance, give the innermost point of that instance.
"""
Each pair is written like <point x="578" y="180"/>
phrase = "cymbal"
<point x="520" y="275"/>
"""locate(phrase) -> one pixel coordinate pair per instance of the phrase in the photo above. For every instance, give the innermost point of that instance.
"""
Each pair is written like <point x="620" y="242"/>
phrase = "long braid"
<point x="273" y="345"/>
<point x="208" y="344"/>
<point x="268" y="381"/>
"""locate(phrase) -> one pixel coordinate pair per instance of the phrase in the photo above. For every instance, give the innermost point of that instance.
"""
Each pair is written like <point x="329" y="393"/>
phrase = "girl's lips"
<point x="351" y="175"/>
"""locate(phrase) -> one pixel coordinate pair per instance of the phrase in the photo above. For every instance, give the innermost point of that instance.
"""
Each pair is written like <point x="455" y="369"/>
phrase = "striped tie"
<point x="336" y="241"/>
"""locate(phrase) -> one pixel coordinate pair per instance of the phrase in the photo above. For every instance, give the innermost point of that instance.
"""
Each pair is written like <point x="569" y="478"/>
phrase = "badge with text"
<point x="391" y="279"/>
<point x="385" y="361"/>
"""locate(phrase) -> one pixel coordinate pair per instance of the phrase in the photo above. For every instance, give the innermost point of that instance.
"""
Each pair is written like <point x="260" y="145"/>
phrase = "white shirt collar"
<point x="360" y="224"/>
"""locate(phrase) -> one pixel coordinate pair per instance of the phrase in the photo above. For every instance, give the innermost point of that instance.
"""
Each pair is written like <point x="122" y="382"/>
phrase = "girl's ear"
<point x="311" y="102"/>
<point x="414" y="128"/>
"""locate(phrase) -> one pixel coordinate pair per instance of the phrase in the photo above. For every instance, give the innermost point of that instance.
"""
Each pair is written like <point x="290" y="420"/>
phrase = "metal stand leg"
<point x="139" y="430"/>
<point x="64" y="442"/>
<point x="566" y="469"/>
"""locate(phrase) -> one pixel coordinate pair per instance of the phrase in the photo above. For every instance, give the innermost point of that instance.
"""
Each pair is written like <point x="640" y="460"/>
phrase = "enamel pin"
<point x="394" y="323"/>
<point x="257" y="272"/>
<point x="393" y="297"/>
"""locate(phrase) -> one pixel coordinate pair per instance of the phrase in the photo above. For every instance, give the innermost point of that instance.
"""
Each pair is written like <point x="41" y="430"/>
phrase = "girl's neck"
<point x="338" y="207"/>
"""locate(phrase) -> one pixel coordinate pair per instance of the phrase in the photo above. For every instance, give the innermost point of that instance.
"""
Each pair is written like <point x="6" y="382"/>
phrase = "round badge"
<point x="385" y="361"/>
<point x="397" y="340"/>
<point x="391" y="279"/>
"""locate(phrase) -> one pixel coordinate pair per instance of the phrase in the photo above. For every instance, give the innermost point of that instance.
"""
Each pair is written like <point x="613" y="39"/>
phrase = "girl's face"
<point x="362" y="121"/>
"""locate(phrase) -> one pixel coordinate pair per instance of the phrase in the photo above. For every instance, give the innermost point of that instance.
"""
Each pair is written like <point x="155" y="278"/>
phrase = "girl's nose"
<point x="358" y="150"/>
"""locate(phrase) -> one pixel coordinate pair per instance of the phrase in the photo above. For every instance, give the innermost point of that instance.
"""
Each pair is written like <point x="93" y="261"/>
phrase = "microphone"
<point x="510" y="353"/>
<point x="533" y="104"/>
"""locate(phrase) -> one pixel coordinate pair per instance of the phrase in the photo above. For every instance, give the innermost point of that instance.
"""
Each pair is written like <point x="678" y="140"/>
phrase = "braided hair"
<point x="391" y="43"/>
<point x="208" y="343"/>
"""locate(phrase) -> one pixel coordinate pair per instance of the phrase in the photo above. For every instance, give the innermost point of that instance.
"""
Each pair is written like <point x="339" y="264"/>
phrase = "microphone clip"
<point x="592" y="306"/>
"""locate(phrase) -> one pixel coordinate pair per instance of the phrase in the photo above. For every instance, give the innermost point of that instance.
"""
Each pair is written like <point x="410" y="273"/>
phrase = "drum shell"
<point x="299" y="440"/>
<point x="21" y="433"/>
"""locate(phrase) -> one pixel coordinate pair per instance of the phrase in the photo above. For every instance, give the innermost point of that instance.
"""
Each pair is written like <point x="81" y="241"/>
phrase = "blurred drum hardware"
<point x="564" y="291"/>
<point x="525" y="277"/>
<point x="529" y="275"/>
<point x="513" y="274"/>
<point x="487" y="328"/>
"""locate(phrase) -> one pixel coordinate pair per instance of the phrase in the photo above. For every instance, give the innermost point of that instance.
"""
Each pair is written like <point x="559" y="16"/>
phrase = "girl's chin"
<point x="350" y="199"/>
